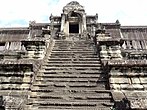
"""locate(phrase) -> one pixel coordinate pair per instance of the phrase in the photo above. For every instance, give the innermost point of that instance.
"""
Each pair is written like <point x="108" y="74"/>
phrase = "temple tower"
<point x="73" y="19"/>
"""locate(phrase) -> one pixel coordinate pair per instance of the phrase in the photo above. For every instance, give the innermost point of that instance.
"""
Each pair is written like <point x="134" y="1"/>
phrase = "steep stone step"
<point x="73" y="99"/>
<point x="61" y="42"/>
<point x="69" y="108"/>
<point x="71" y="90"/>
<point x="98" y="92"/>
<point x="72" y="65"/>
<point x="51" y="89"/>
<point x="70" y="68"/>
<point x="69" y="71"/>
<point x="74" y="59"/>
<point x="71" y="75"/>
<point x="69" y="84"/>
<point x="63" y="103"/>
<point x="73" y="50"/>
<point x="72" y="95"/>
<point x="73" y="43"/>
<point x="86" y="80"/>
<point x="74" y="102"/>
<point x="62" y="88"/>
<point x="73" y="62"/>
<point x="73" y="53"/>
<point x="71" y="78"/>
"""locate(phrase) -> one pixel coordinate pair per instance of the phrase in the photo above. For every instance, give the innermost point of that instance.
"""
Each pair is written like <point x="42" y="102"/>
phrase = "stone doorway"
<point x="73" y="28"/>
<point x="73" y="20"/>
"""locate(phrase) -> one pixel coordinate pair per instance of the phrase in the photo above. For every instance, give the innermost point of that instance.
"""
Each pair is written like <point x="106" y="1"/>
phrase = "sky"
<point x="16" y="13"/>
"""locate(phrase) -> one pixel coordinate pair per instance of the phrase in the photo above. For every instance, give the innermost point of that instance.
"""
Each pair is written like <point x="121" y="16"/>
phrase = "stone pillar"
<point x="66" y="28"/>
<point x="84" y="22"/>
<point x="80" y="28"/>
<point x="62" y="22"/>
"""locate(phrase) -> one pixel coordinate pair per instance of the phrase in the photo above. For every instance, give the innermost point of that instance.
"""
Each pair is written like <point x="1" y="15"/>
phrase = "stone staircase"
<point x="71" y="79"/>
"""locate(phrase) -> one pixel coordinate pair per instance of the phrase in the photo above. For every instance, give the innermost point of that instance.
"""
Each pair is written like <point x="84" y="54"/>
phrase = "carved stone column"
<point x="62" y="22"/>
<point x="66" y="28"/>
<point x="84" y="22"/>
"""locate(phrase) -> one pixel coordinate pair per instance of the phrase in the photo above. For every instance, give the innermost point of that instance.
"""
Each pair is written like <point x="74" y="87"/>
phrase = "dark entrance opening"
<point x="73" y="28"/>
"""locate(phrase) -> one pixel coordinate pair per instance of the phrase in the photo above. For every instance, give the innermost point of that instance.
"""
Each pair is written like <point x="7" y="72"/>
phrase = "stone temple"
<point x="73" y="62"/>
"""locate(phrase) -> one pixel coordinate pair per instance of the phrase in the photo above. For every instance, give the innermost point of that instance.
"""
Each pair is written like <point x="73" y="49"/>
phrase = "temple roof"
<point x="73" y="6"/>
<point x="134" y="27"/>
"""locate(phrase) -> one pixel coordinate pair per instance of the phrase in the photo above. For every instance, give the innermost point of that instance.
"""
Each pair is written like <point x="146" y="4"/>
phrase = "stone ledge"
<point x="127" y="62"/>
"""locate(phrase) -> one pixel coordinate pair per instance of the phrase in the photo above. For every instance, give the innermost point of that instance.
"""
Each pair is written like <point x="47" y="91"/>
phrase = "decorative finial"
<point x="117" y="21"/>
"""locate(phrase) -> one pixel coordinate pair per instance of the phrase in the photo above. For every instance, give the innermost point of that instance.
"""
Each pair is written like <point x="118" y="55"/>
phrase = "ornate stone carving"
<point x="73" y="6"/>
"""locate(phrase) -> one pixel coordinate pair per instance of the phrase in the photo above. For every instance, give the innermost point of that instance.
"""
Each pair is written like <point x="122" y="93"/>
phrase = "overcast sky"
<point x="20" y="12"/>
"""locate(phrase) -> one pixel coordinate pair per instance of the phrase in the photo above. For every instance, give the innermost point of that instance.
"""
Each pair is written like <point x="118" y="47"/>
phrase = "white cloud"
<point x="129" y="12"/>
